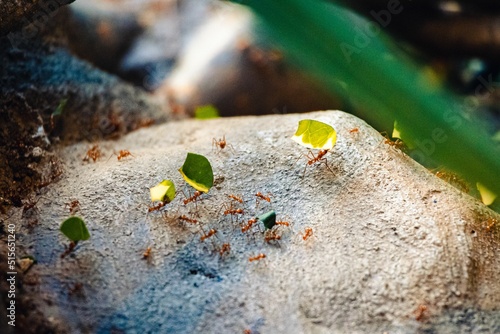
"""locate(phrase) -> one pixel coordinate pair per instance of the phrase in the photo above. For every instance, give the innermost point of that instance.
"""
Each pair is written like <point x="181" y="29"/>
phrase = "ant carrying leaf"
<point x="315" y="135"/>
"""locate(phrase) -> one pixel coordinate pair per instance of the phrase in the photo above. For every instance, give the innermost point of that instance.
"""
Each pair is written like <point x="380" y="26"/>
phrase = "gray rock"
<point x="389" y="238"/>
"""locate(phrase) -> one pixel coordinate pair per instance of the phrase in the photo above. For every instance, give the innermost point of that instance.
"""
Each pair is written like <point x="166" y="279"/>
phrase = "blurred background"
<point x="214" y="52"/>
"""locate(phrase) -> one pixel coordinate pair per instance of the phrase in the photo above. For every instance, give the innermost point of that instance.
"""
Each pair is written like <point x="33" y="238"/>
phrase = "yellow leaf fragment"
<point x="487" y="196"/>
<point x="163" y="191"/>
<point x="315" y="134"/>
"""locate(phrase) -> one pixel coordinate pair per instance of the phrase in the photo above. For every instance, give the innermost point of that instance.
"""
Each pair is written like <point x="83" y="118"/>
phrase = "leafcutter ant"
<point x="230" y="210"/>
<point x="73" y="206"/>
<point x="308" y="232"/>
<point x="397" y="144"/>
<point x="257" y="257"/>
<point x="208" y="235"/>
<point x="453" y="179"/>
<point x="193" y="198"/>
<point x="225" y="249"/>
<point x="122" y="154"/>
<point x="94" y="153"/>
<point x="312" y="159"/>
<point x="69" y="249"/>
<point x="186" y="219"/>
<point x="271" y="235"/>
<point x="261" y="197"/>
<point x="29" y="205"/>
<point x="221" y="144"/>
<point x="236" y="198"/>
<point x="157" y="206"/>
<point x="283" y="223"/>
<point x="147" y="253"/>
<point x="249" y="224"/>
<point x="490" y="223"/>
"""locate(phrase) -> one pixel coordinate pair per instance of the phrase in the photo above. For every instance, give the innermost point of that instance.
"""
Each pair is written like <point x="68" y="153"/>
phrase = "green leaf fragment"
<point x="487" y="196"/>
<point x="74" y="228"/>
<point x="315" y="134"/>
<point x="60" y="108"/>
<point x="163" y="191"/>
<point x="206" y="112"/>
<point x="268" y="219"/>
<point x="197" y="172"/>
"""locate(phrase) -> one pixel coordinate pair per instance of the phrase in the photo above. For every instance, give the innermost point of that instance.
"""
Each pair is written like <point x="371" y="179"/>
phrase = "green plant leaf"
<point x="206" y="112"/>
<point x="163" y="191"/>
<point x="379" y="82"/>
<point x="315" y="134"/>
<point x="268" y="219"/>
<point x="74" y="228"/>
<point x="60" y="108"/>
<point x="197" y="172"/>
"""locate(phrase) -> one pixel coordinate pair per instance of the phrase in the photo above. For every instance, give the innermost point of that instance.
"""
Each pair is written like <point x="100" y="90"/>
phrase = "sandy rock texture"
<point x="389" y="238"/>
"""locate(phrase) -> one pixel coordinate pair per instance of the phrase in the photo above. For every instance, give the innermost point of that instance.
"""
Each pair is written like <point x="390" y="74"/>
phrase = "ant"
<point x="94" y="153"/>
<point x="257" y="257"/>
<point x="158" y="206"/>
<point x="231" y="211"/>
<point x="454" y="180"/>
<point x="122" y="154"/>
<point x="354" y="130"/>
<point x="74" y="206"/>
<point x="147" y="253"/>
<point x="420" y="312"/>
<point x="226" y="248"/>
<point x="263" y="197"/>
<point x="30" y="204"/>
<point x="249" y="224"/>
<point x="221" y="144"/>
<point x="193" y="198"/>
<point x="236" y="198"/>
<point x="247" y="331"/>
<point x="283" y="223"/>
<point x="188" y="220"/>
<point x="272" y="236"/>
<point x="312" y="159"/>
<point x="308" y="232"/>
<point x="491" y="223"/>
<point x="208" y="235"/>
<point x="398" y="143"/>
<point x="69" y="249"/>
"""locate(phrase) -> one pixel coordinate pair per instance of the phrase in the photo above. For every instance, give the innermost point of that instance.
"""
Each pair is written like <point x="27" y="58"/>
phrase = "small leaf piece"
<point x="487" y="196"/>
<point x="60" y="108"/>
<point x="268" y="219"/>
<point x="74" y="228"/>
<point x="315" y="134"/>
<point x="197" y="172"/>
<point x="163" y="191"/>
<point x="206" y="112"/>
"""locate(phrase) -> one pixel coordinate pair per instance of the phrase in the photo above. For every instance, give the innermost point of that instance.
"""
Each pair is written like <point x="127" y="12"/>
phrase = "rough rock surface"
<point x="36" y="75"/>
<point x="19" y="14"/>
<point x="389" y="238"/>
